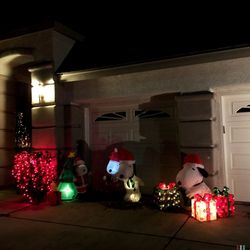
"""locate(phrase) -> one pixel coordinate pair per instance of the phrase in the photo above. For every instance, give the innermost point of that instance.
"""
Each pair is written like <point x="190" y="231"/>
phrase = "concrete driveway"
<point x="92" y="224"/>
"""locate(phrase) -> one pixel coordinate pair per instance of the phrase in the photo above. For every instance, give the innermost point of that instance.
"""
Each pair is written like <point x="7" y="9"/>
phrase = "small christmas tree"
<point x="22" y="137"/>
<point x="166" y="196"/>
<point x="66" y="179"/>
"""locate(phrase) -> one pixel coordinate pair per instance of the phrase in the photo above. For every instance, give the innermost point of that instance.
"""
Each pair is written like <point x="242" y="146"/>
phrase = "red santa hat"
<point x="79" y="161"/>
<point x="122" y="155"/>
<point x="195" y="159"/>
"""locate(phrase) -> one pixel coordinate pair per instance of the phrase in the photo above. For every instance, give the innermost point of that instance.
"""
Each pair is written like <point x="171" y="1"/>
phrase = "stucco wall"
<point x="234" y="73"/>
<point x="230" y="74"/>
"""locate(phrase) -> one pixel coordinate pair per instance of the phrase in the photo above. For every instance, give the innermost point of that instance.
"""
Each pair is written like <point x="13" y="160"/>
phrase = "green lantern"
<point x="68" y="190"/>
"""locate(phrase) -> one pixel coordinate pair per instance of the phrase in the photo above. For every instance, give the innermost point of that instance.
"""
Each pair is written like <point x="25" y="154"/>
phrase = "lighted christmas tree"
<point x="34" y="172"/>
<point x="66" y="179"/>
<point x="166" y="196"/>
<point x="22" y="137"/>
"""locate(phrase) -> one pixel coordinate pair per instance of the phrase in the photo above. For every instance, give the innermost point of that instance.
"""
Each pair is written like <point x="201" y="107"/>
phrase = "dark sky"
<point x="116" y="35"/>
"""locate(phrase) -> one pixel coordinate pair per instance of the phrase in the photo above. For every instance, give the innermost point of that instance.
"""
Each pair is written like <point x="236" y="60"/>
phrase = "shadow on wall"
<point x="160" y="158"/>
<point x="154" y="145"/>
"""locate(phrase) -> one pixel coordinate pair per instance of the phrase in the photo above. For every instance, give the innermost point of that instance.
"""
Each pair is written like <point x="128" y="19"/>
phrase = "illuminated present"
<point x="166" y="196"/>
<point x="224" y="202"/>
<point x="204" y="208"/>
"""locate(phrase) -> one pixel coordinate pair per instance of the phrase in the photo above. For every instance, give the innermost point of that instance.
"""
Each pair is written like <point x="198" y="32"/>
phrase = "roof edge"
<point x="44" y="25"/>
<point x="225" y="53"/>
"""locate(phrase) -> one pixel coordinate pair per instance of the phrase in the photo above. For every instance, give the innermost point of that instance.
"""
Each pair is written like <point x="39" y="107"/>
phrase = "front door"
<point x="236" y="120"/>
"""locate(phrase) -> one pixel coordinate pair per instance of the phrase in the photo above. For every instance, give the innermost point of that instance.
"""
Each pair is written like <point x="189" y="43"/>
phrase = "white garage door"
<point x="113" y="125"/>
<point x="150" y="134"/>
<point x="236" y="118"/>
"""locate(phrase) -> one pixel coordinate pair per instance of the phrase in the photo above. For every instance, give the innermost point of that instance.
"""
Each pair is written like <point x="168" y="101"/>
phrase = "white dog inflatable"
<point x="190" y="177"/>
<point x="121" y="167"/>
<point x="81" y="180"/>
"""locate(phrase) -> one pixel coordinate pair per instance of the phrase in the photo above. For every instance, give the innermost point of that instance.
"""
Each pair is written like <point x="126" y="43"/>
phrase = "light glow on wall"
<point x="43" y="93"/>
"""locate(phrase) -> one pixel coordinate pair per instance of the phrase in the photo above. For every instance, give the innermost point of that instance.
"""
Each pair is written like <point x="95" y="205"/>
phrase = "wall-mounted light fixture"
<point x="43" y="85"/>
<point x="43" y="93"/>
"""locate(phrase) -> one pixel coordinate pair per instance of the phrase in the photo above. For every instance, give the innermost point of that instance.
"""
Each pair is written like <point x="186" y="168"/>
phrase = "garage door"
<point x="149" y="133"/>
<point x="236" y="118"/>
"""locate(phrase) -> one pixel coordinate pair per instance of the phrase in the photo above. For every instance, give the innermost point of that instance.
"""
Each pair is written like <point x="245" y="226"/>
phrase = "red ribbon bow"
<point x="171" y="185"/>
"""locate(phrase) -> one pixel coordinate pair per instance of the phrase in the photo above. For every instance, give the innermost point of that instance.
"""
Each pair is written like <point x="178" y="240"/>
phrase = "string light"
<point x="204" y="208"/>
<point x="34" y="172"/>
<point x="22" y="137"/>
<point x="166" y="196"/>
<point x="224" y="202"/>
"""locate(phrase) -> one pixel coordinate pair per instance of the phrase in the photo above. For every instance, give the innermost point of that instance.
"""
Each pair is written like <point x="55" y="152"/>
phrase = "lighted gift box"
<point x="224" y="202"/>
<point x="166" y="196"/>
<point x="204" y="208"/>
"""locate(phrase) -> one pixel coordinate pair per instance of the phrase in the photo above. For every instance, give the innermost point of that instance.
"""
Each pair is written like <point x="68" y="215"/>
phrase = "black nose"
<point x="110" y="170"/>
<point x="121" y="176"/>
<point x="179" y="183"/>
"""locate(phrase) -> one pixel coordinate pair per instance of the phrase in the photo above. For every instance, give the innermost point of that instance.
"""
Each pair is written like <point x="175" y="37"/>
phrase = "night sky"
<point x="118" y="35"/>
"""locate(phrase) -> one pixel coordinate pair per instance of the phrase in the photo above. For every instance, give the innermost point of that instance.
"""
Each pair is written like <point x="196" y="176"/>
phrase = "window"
<point x="146" y="114"/>
<point x="244" y="109"/>
<point x="114" y="116"/>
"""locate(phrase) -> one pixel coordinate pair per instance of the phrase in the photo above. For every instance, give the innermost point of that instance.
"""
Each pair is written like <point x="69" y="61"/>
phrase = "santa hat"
<point x="122" y="155"/>
<point x="79" y="161"/>
<point x="195" y="159"/>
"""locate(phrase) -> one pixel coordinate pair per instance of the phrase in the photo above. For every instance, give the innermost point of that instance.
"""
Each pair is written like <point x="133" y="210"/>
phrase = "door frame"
<point x="221" y="124"/>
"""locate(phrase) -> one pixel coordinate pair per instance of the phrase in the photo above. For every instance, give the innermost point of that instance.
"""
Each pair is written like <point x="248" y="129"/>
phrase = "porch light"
<point x="43" y="92"/>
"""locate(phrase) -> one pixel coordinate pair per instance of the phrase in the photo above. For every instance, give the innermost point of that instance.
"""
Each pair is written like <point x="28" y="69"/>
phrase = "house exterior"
<point x="158" y="110"/>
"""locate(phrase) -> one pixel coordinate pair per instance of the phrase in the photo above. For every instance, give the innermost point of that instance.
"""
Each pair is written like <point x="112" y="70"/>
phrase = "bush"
<point x="34" y="172"/>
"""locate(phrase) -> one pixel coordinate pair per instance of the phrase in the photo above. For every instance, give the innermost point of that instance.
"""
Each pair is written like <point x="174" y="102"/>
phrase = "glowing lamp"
<point x="68" y="190"/>
<point x="204" y="208"/>
<point x="43" y="93"/>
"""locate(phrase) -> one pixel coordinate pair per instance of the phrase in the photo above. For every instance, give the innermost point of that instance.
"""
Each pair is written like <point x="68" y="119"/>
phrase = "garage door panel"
<point x="240" y="134"/>
<point x="240" y="161"/>
<point x="237" y="110"/>
<point x="120" y="136"/>
<point x="240" y="187"/>
<point x="101" y="138"/>
<point x="145" y="133"/>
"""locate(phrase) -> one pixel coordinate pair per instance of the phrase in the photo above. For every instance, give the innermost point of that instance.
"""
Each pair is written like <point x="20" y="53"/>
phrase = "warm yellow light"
<point x="42" y="93"/>
<point x="131" y="185"/>
<point x="200" y="211"/>
<point x="50" y="81"/>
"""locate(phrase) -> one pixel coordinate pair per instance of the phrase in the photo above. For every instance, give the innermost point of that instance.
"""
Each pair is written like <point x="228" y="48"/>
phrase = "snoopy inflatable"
<point x="190" y="177"/>
<point x="81" y="180"/>
<point x="121" y="167"/>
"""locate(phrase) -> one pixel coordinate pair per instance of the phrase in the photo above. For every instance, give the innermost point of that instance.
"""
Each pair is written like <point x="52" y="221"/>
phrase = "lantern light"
<point x="68" y="190"/>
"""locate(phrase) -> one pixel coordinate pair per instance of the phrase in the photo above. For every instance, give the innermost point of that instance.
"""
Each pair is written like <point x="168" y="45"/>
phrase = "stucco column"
<point x="55" y="125"/>
<point x="44" y="122"/>
<point x="14" y="97"/>
<point x="7" y="128"/>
